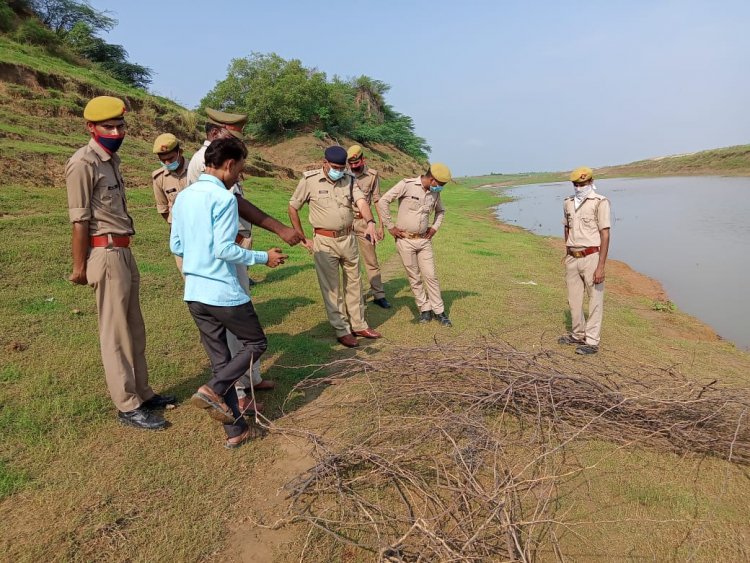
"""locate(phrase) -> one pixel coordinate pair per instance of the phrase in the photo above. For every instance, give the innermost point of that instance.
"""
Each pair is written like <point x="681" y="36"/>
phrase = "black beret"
<point x="336" y="154"/>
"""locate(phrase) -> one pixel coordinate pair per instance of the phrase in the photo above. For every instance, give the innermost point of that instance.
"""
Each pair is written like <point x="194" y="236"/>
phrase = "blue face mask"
<point x="335" y="175"/>
<point x="172" y="166"/>
<point x="436" y="189"/>
<point x="110" y="142"/>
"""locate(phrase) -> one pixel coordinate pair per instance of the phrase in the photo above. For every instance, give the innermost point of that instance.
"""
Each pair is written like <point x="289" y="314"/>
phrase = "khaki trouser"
<point x="113" y="274"/>
<point x="345" y="308"/>
<point x="253" y="372"/>
<point x="419" y="262"/>
<point x="370" y="259"/>
<point x="579" y="277"/>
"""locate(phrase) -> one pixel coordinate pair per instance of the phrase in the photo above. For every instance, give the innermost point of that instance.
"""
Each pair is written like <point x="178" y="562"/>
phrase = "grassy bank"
<point x="75" y="485"/>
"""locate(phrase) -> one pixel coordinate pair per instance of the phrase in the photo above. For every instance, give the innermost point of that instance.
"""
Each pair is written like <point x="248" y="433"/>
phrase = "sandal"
<point x="237" y="441"/>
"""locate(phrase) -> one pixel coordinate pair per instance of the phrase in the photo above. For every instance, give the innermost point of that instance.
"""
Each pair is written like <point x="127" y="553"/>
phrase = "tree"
<point x="62" y="15"/>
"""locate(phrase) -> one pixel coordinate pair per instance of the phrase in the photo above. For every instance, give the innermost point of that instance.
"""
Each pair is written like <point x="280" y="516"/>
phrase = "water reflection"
<point x="692" y="234"/>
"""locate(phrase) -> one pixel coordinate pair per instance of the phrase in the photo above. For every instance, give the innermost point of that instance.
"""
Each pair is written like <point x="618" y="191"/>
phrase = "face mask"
<point x="172" y="166"/>
<point x="110" y="142"/>
<point x="335" y="175"/>
<point x="436" y="189"/>
<point x="358" y="169"/>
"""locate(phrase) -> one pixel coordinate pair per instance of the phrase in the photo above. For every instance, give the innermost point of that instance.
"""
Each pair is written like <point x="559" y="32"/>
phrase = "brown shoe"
<point x="348" y="340"/>
<point x="237" y="441"/>
<point x="206" y="399"/>
<point x="368" y="333"/>
<point x="264" y="385"/>
<point x="248" y="406"/>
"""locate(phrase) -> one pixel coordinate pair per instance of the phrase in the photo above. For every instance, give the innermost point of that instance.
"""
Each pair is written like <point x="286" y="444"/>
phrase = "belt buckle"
<point x="110" y="242"/>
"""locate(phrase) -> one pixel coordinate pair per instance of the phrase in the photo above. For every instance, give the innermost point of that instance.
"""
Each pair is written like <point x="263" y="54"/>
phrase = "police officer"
<point x="369" y="183"/>
<point x="222" y="125"/>
<point x="417" y="199"/>
<point x="102" y="232"/>
<point x="170" y="178"/>
<point x="586" y="218"/>
<point x="333" y="194"/>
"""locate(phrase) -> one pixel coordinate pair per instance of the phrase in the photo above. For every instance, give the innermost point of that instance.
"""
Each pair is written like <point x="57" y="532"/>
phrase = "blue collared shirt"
<point x="204" y="227"/>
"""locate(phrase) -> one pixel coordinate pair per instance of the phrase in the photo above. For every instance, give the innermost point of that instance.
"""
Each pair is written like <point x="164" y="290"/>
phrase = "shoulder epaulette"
<point x="157" y="172"/>
<point x="372" y="172"/>
<point x="310" y="173"/>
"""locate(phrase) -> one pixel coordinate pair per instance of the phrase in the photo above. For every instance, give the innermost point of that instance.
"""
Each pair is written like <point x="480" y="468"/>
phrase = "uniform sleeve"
<point x="196" y="167"/>
<point x="384" y="203"/>
<point x="439" y="213"/>
<point x="376" y="189"/>
<point x="565" y="214"/>
<point x="357" y="193"/>
<point x="301" y="195"/>
<point x="603" y="215"/>
<point x="79" y="181"/>
<point x="162" y="204"/>
<point x="226" y="220"/>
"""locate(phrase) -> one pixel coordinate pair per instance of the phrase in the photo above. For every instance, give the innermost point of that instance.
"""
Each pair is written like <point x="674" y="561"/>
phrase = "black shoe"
<point x="382" y="302"/>
<point x="425" y="317"/>
<point x="159" y="402"/>
<point x="444" y="320"/>
<point x="570" y="340"/>
<point x="587" y="349"/>
<point x="141" y="418"/>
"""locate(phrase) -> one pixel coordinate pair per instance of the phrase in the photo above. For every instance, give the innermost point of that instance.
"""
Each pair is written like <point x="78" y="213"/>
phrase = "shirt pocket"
<point x="324" y="199"/>
<point x="343" y="200"/>
<point x="414" y="205"/>
<point x="171" y="194"/>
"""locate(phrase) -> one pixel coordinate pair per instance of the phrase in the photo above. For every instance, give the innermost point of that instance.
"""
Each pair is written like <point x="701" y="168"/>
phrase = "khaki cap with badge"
<point x="582" y="174"/>
<point x="354" y="152"/>
<point x="232" y="122"/>
<point x="103" y="108"/>
<point x="166" y="142"/>
<point x="440" y="172"/>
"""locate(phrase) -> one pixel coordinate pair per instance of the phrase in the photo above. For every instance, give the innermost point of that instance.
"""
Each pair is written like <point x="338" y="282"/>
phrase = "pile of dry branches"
<point x="459" y="452"/>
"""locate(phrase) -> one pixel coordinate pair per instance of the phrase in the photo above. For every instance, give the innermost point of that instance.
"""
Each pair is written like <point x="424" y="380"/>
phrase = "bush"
<point x="7" y="17"/>
<point x="32" y="31"/>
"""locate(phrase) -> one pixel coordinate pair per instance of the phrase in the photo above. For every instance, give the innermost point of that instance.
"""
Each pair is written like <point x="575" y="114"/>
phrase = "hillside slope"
<point x="41" y="104"/>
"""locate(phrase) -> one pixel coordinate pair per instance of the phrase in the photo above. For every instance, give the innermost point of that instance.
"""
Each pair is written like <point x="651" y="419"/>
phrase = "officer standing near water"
<point x="170" y="178"/>
<point x="369" y="183"/>
<point x="417" y="199"/>
<point x="586" y="218"/>
<point x="102" y="232"/>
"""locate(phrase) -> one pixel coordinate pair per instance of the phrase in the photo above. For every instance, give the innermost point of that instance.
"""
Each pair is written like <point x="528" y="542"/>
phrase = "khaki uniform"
<point x="197" y="167"/>
<point x="369" y="183"/>
<point x="331" y="208"/>
<point x="584" y="225"/>
<point x="96" y="193"/>
<point x="414" y="208"/>
<point x="166" y="187"/>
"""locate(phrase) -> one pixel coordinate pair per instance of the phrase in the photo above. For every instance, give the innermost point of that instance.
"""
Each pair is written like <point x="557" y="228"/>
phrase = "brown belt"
<point x="412" y="235"/>
<point x="333" y="234"/>
<point x="110" y="241"/>
<point x="584" y="252"/>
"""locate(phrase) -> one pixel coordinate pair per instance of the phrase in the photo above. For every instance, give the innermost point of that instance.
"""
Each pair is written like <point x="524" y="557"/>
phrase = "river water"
<point x="692" y="234"/>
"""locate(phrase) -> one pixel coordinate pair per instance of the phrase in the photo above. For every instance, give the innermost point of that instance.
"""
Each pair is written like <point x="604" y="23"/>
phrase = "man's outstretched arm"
<point x="257" y="216"/>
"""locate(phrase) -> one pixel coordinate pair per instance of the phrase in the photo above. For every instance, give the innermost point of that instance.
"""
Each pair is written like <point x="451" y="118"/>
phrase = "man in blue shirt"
<point x="204" y="228"/>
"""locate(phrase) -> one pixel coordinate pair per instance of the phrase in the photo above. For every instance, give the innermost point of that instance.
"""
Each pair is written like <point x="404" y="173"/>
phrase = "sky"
<point x="494" y="86"/>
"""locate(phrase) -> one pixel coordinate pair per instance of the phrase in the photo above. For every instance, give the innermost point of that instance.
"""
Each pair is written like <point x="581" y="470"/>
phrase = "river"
<point x="690" y="233"/>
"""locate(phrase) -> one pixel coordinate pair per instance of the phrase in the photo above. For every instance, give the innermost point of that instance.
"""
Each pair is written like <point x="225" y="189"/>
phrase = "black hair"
<point x="429" y="172"/>
<point x="211" y="126"/>
<point x="221" y="150"/>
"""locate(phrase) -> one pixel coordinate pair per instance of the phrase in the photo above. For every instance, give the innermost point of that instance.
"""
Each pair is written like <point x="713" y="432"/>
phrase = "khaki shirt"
<point x="369" y="183"/>
<point x="585" y="222"/>
<point x="414" y="206"/>
<point x="166" y="187"/>
<point x="96" y="191"/>
<point x="331" y="205"/>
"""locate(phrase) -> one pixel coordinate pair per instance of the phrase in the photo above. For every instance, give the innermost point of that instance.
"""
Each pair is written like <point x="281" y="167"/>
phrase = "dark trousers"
<point x="213" y="322"/>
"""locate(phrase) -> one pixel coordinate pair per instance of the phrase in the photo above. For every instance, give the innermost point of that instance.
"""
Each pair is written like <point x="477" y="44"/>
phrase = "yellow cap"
<point x="232" y="122"/>
<point x="166" y="142"/>
<point x="103" y="108"/>
<point x="354" y="152"/>
<point x="440" y="172"/>
<point x="582" y="174"/>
